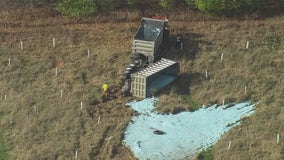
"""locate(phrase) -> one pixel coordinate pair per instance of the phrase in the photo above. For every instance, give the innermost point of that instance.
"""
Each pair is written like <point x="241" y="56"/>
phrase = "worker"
<point x="105" y="91"/>
<point x="166" y="33"/>
<point x="178" y="42"/>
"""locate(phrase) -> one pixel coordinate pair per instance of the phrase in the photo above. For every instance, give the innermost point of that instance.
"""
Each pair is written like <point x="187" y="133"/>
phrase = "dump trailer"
<point x="145" y="75"/>
<point x="151" y="35"/>
<point x="153" y="78"/>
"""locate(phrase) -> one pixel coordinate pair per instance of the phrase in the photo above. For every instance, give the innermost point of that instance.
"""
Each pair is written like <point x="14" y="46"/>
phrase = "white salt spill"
<point x="154" y="136"/>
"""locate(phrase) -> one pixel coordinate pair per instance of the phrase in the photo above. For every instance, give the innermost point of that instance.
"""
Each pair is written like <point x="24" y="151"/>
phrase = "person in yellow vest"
<point x="105" y="91"/>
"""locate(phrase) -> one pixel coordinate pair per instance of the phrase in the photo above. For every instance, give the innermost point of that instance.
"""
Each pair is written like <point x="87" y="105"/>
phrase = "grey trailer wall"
<point x="154" y="78"/>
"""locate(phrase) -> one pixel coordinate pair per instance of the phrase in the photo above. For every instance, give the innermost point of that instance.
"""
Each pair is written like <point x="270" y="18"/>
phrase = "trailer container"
<point x="153" y="78"/>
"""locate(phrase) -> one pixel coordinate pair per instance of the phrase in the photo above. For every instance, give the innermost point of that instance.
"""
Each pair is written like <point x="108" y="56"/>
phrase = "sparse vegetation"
<point x="206" y="154"/>
<point x="77" y="8"/>
<point x="226" y="7"/>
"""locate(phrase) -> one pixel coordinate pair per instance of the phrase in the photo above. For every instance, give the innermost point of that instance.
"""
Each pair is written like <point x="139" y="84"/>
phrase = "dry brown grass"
<point x="58" y="127"/>
<point x="260" y="68"/>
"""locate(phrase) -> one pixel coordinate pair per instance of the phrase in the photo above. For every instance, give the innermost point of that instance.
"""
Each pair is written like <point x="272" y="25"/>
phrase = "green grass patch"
<point x="192" y="104"/>
<point x="274" y="41"/>
<point x="206" y="154"/>
<point x="3" y="149"/>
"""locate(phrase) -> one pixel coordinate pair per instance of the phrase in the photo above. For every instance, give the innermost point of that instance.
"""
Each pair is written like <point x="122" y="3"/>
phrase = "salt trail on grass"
<point x="156" y="136"/>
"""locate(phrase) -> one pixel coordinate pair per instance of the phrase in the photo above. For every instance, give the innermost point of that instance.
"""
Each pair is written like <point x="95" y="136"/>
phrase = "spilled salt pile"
<point x="155" y="136"/>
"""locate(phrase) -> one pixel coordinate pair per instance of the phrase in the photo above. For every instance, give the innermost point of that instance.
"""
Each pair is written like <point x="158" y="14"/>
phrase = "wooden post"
<point x="245" y="90"/>
<point x="277" y="138"/>
<point x="22" y="45"/>
<point x="247" y="45"/>
<point x="229" y="146"/>
<point x="222" y="57"/>
<point x="9" y="61"/>
<point x="56" y="71"/>
<point x="53" y="40"/>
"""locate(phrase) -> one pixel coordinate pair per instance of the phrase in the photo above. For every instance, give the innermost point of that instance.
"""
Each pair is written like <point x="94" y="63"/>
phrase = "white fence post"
<point x="76" y="155"/>
<point x="81" y="105"/>
<point x="277" y="138"/>
<point x="56" y="71"/>
<point x="9" y="61"/>
<point x="222" y="57"/>
<point x="229" y="146"/>
<point x="36" y="110"/>
<point x="99" y="119"/>
<point x="206" y="74"/>
<point x="61" y="93"/>
<point x="245" y="89"/>
<point x="22" y="45"/>
<point x="88" y="53"/>
<point x="53" y="42"/>
<point x="247" y="45"/>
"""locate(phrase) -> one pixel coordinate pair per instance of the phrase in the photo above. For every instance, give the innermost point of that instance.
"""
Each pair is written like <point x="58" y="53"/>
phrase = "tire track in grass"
<point x="101" y="144"/>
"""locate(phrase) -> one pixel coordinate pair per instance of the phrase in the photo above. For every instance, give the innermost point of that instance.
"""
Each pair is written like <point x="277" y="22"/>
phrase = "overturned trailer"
<point x="154" y="78"/>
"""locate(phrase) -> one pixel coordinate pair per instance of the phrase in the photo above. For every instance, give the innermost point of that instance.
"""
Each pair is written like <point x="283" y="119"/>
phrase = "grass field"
<point x="37" y="123"/>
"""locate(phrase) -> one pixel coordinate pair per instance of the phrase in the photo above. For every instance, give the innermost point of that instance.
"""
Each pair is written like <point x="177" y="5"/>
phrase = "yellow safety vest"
<point x="105" y="87"/>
